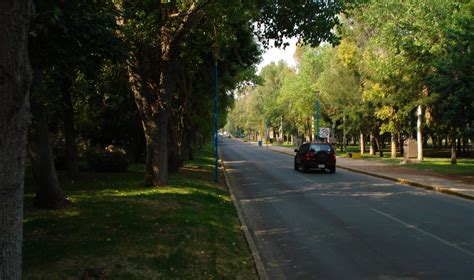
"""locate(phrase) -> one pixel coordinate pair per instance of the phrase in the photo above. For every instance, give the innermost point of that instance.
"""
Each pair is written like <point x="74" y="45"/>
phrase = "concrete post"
<point x="419" y="133"/>
<point x="362" y="144"/>
<point x="394" y="145"/>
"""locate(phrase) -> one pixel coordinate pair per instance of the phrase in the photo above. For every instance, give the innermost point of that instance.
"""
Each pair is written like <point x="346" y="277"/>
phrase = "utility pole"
<point x="215" y="49"/>
<point x="317" y="116"/>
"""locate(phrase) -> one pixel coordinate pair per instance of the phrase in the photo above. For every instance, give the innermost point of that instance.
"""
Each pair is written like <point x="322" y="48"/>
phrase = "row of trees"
<point x="126" y="73"/>
<point x="394" y="58"/>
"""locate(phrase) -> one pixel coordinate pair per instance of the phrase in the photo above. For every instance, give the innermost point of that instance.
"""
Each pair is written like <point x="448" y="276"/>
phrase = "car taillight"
<point x="332" y="156"/>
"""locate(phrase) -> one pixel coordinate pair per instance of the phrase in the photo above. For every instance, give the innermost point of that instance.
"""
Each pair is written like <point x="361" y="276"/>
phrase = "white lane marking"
<point x="306" y="179"/>
<point x="424" y="232"/>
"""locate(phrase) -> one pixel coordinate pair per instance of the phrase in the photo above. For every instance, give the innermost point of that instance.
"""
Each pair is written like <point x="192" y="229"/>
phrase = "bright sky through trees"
<point x="276" y="54"/>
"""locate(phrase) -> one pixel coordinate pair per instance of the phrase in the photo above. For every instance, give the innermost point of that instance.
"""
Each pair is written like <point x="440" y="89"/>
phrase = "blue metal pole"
<point x="266" y="133"/>
<point x="317" y="117"/>
<point x="216" y="141"/>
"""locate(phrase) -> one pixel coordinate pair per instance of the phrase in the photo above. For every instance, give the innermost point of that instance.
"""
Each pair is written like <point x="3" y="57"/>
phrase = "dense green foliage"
<point x="391" y="58"/>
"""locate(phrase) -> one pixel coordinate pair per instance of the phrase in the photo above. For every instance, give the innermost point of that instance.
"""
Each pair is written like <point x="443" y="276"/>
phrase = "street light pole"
<point x="266" y="133"/>
<point x="317" y="117"/>
<point x="215" y="49"/>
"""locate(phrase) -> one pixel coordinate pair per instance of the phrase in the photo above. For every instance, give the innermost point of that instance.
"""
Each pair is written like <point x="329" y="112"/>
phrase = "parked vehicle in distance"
<point x="315" y="156"/>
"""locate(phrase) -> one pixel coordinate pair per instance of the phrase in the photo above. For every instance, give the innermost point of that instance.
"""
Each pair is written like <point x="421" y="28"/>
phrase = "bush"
<point x="110" y="159"/>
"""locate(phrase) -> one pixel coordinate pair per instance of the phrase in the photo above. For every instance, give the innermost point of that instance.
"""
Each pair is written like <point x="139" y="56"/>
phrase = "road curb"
<point x="411" y="183"/>
<point x="399" y="180"/>
<point x="262" y="275"/>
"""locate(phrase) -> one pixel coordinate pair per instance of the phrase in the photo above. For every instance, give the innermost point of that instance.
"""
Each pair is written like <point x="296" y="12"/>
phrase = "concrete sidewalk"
<point x="454" y="185"/>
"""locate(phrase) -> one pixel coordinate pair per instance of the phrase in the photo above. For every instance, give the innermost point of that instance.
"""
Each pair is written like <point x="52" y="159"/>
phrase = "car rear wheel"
<point x="296" y="166"/>
<point x="332" y="170"/>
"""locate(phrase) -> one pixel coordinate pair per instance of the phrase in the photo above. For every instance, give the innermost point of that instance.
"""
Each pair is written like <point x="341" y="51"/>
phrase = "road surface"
<point x="347" y="225"/>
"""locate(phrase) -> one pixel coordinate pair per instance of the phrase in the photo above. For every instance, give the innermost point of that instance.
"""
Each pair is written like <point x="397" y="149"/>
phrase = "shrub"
<point x="110" y="159"/>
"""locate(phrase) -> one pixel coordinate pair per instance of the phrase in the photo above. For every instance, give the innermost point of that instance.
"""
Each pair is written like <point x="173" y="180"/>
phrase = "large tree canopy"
<point x="393" y="57"/>
<point x="159" y="32"/>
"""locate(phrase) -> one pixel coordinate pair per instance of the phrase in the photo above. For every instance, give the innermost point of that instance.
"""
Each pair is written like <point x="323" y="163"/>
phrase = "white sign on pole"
<point x="324" y="132"/>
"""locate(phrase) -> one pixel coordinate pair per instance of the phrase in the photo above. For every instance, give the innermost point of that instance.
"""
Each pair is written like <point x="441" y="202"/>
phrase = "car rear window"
<point x="321" y="147"/>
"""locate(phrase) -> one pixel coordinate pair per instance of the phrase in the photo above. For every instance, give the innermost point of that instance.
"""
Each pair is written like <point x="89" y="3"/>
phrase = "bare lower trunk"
<point x="372" y="145"/>
<point x="151" y="167"/>
<point x="179" y="145"/>
<point x="378" y="141"/>
<point x="344" y="133"/>
<point x="163" y="118"/>
<point x="400" y="144"/>
<point x="70" y="131"/>
<point x="458" y="149"/>
<point x="49" y="195"/>
<point x="440" y="143"/>
<point x="15" y="79"/>
<point x="174" y="151"/>
<point x="453" y="150"/>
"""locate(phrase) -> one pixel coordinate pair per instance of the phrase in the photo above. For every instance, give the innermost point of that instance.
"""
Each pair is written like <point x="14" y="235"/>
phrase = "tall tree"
<point x="157" y="30"/>
<point x="451" y="81"/>
<point x="49" y="194"/>
<point x="15" y="79"/>
<point x="86" y="27"/>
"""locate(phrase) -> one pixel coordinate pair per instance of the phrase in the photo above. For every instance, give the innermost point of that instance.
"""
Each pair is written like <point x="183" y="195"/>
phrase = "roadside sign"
<point x="324" y="132"/>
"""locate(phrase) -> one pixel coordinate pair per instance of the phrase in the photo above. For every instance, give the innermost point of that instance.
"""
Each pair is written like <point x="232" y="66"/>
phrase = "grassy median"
<point x="118" y="229"/>
<point x="432" y="161"/>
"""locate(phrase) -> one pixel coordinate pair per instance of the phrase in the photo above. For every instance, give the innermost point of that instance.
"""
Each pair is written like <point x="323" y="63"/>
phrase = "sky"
<point x="275" y="55"/>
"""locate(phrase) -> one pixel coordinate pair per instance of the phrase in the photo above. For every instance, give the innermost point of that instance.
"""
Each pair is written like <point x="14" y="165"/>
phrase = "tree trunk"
<point x="440" y="143"/>
<point x="393" y="138"/>
<point x="166" y="88"/>
<point x="453" y="149"/>
<point x="465" y="146"/>
<point x="362" y="144"/>
<point x="174" y="154"/>
<point x="163" y="146"/>
<point x="401" y="144"/>
<point x="344" y="133"/>
<point x="281" y="129"/>
<point x="49" y="195"/>
<point x="150" y="129"/>
<point x="70" y="131"/>
<point x="15" y="79"/>
<point x="372" y="145"/>
<point x="378" y="141"/>
<point x="458" y="146"/>
<point x="144" y="99"/>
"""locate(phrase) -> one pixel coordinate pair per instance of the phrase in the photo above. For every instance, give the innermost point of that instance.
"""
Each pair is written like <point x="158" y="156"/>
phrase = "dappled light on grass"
<point x="61" y="213"/>
<point x="188" y="229"/>
<point x="464" y="166"/>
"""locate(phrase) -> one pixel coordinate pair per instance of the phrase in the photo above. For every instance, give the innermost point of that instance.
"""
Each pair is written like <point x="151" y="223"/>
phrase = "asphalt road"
<point x="347" y="225"/>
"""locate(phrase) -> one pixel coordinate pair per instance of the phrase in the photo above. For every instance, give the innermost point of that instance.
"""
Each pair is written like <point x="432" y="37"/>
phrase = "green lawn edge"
<point x="119" y="229"/>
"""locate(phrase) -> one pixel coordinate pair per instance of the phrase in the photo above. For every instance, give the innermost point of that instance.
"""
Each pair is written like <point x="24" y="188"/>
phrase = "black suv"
<point x="315" y="156"/>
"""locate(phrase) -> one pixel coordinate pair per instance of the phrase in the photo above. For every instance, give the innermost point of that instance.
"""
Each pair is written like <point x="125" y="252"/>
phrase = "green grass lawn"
<point x="442" y="165"/>
<point x="121" y="230"/>
<point x="285" y="145"/>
